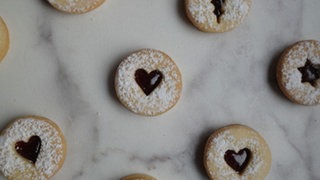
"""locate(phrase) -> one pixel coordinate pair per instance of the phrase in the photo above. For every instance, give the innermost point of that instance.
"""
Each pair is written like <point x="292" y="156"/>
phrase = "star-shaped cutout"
<point x="310" y="72"/>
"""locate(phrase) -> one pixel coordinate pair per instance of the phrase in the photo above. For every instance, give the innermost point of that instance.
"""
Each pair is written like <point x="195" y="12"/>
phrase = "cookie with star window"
<point x="217" y="15"/>
<point x="298" y="72"/>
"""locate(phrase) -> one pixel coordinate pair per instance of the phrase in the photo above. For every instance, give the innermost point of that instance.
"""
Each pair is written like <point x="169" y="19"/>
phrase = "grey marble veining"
<point x="61" y="66"/>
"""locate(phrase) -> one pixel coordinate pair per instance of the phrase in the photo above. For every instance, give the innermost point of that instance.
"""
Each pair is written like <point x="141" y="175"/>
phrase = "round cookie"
<point x="138" y="177"/>
<point x="217" y="15"/>
<point x="298" y="72"/>
<point x="31" y="148"/>
<point x="4" y="39"/>
<point x="148" y="82"/>
<point x="237" y="152"/>
<point x="76" y="6"/>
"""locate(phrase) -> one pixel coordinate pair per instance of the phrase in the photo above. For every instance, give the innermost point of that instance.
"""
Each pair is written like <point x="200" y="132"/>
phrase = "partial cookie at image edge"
<point x="76" y="7"/>
<point x="217" y="16"/>
<point x="138" y="177"/>
<point x="4" y="39"/>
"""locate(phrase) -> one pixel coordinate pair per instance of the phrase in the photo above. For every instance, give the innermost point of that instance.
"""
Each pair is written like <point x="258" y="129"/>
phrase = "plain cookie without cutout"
<point x="298" y="72"/>
<point x="31" y="148"/>
<point x="4" y="39"/>
<point x="237" y="152"/>
<point x="138" y="177"/>
<point x="217" y="15"/>
<point x="76" y="6"/>
<point x="148" y="82"/>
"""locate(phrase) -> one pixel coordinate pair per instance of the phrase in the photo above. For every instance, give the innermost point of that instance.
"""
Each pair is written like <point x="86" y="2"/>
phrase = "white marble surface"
<point x="61" y="66"/>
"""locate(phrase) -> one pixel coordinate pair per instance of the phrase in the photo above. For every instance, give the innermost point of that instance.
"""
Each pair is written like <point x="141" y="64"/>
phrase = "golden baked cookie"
<point x="4" y="39"/>
<point x="76" y="6"/>
<point x="138" y="177"/>
<point x="31" y="148"/>
<point x="237" y="152"/>
<point x="298" y="72"/>
<point x="217" y="15"/>
<point x="148" y="82"/>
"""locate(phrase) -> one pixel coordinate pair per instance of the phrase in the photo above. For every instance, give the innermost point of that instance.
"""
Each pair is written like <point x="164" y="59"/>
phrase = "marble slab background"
<point x="61" y="66"/>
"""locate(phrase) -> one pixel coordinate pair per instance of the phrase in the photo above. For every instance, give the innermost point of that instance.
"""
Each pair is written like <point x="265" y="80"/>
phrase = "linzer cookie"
<point x="4" y="39"/>
<point x="76" y="6"/>
<point x="31" y="148"/>
<point x="138" y="177"/>
<point x="148" y="82"/>
<point x="298" y="72"/>
<point x="237" y="152"/>
<point x="217" y="15"/>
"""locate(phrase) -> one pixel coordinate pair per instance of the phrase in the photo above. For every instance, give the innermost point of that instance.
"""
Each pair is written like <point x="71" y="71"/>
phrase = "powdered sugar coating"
<point x="289" y="77"/>
<point x="163" y="97"/>
<point x="233" y="139"/>
<point x="50" y="156"/>
<point x="201" y="13"/>
<point x="76" y="6"/>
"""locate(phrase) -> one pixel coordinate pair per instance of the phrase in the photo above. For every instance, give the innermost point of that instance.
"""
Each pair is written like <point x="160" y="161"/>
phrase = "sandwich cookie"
<point x="298" y="72"/>
<point x="237" y="152"/>
<point x="217" y="15"/>
<point x="31" y="148"/>
<point x="148" y="82"/>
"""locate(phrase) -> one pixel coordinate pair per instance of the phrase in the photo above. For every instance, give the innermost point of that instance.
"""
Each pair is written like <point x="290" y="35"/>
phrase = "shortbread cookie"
<point x="298" y="72"/>
<point x="138" y="177"/>
<point x="148" y="82"/>
<point x="76" y="6"/>
<point x="237" y="152"/>
<point x="31" y="148"/>
<point x="4" y="39"/>
<point x="217" y="15"/>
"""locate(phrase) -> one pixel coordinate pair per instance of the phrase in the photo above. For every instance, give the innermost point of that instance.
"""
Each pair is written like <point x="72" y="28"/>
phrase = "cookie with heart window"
<point x="237" y="152"/>
<point x="148" y="82"/>
<point x="217" y="15"/>
<point x="4" y="39"/>
<point x="31" y="148"/>
<point x="138" y="177"/>
<point x="298" y="72"/>
<point x="76" y="6"/>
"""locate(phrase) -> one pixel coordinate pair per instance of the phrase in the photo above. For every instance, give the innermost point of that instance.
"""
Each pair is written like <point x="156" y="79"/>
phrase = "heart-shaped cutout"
<point x="29" y="150"/>
<point x="238" y="161"/>
<point x="148" y="81"/>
